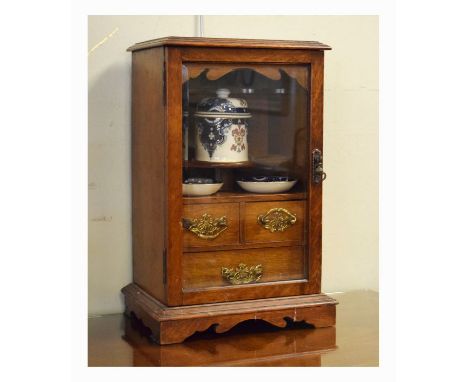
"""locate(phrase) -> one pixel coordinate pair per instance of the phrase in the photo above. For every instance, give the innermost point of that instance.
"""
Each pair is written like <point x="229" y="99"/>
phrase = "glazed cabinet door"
<point x="244" y="206"/>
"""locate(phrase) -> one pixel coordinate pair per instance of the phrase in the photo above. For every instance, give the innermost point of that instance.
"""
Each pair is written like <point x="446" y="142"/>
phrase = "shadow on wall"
<point x="109" y="185"/>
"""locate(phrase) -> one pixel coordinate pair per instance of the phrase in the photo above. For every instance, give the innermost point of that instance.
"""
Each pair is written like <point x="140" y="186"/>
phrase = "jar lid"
<point x="222" y="106"/>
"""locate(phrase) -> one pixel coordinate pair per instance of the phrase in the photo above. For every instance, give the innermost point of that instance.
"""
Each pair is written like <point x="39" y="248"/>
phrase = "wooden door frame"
<point x="174" y="58"/>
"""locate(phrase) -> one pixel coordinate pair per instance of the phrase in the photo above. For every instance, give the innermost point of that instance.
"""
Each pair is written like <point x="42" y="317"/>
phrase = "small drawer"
<point x="269" y="222"/>
<point x="247" y="266"/>
<point x="208" y="225"/>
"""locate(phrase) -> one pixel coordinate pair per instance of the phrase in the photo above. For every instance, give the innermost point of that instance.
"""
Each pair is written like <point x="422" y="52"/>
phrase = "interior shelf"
<point x="199" y="164"/>
<point x="225" y="197"/>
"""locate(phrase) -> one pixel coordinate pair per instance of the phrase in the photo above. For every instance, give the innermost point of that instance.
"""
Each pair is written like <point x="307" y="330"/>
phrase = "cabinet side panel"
<point x="148" y="170"/>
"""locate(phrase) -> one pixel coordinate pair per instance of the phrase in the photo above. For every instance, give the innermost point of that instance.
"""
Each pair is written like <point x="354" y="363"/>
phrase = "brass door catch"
<point x="318" y="175"/>
<point x="206" y="227"/>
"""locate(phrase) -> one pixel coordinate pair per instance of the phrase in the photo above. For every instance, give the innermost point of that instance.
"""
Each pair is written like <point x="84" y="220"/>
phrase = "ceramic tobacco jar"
<point x="222" y="129"/>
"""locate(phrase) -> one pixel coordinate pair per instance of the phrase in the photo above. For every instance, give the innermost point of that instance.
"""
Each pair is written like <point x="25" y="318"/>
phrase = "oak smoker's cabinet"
<point x="251" y="250"/>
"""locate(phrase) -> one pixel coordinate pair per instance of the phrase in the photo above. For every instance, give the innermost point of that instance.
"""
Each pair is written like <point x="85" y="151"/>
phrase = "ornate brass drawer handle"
<point x="206" y="227"/>
<point x="277" y="219"/>
<point x="242" y="274"/>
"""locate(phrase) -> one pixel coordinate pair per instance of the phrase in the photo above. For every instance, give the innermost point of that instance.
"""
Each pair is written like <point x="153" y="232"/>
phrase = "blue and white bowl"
<point x="200" y="187"/>
<point x="267" y="184"/>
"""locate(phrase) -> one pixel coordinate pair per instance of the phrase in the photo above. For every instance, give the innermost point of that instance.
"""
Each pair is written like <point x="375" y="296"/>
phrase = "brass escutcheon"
<point x="277" y="219"/>
<point x="242" y="274"/>
<point x="206" y="227"/>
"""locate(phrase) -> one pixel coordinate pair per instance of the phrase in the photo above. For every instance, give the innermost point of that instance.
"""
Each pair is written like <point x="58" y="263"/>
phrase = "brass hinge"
<point x="165" y="77"/>
<point x="164" y="95"/>
<point x="164" y="266"/>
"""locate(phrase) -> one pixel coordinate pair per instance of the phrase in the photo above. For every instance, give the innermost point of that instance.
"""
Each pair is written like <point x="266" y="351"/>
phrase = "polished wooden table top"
<point x="114" y="340"/>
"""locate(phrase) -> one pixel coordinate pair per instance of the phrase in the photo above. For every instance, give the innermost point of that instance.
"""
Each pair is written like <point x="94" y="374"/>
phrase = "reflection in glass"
<point x="245" y="122"/>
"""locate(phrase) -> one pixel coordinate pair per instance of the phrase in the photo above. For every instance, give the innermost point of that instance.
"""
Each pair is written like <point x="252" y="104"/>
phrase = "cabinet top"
<point x="228" y="43"/>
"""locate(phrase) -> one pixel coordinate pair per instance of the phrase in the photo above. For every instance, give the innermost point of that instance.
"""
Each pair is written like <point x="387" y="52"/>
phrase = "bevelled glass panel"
<point x="246" y="126"/>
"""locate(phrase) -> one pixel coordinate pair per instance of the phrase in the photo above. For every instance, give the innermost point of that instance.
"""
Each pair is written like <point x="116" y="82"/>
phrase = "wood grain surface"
<point x="230" y="236"/>
<point x="221" y="197"/>
<point x="149" y="198"/>
<point x="254" y="232"/>
<point x="314" y="228"/>
<point x="174" y="324"/>
<point x="228" y="42"/>
<point x="114" y="340"/>
<point x="201" y="270"/>
<point x="174" y="159"/>
<point x="172" y="265"/>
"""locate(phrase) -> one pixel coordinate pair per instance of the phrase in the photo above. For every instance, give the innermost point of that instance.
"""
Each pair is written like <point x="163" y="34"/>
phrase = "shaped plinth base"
<point x="170" y="325"/>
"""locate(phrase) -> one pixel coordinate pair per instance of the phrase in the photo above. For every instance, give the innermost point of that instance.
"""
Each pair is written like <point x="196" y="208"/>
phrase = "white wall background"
<point x="350" y="216"/>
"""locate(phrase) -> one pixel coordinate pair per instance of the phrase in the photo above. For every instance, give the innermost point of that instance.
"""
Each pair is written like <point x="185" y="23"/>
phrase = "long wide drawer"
<point x="248" y="266"/>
